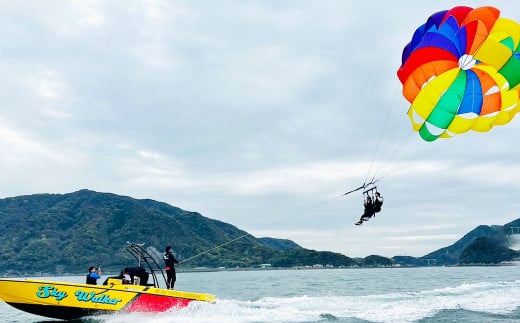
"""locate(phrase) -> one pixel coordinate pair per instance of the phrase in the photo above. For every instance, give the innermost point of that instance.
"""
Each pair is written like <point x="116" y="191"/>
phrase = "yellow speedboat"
<point x="67" y="301"/>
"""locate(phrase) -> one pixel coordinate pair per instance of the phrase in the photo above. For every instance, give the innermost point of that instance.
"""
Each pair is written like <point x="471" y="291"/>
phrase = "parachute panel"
<point x="461" y="72"/>
<point x="423" y="74"/>
<point x="510" y="71"/>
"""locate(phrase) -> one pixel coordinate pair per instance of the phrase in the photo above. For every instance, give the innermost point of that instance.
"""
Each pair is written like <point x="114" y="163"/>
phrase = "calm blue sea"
<point x="433" y="294"/>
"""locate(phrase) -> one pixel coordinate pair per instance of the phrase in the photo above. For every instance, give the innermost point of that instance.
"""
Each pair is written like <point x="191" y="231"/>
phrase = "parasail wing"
<point x="461" y="72"/>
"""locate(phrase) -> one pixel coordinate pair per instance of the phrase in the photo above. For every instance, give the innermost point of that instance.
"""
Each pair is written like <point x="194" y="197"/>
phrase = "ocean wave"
<point x="496" y="298"/>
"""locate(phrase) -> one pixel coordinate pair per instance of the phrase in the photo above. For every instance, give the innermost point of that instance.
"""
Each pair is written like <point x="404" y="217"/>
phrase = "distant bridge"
<point x="514" y="230"/>
<point x="430" y="261"/>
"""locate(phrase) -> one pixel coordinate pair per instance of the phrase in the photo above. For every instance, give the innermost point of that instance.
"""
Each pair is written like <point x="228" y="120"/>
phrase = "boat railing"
<point x="144" y="257"/>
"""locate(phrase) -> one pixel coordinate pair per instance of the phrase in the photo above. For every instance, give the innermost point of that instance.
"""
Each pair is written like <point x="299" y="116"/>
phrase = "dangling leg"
<point x="362" y="219"/>
<point x="169" y="279"/>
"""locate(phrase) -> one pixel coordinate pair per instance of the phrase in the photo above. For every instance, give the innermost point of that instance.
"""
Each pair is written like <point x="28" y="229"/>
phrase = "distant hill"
<point x="278" y="244"/>
<point x="450" y="255"/>
<point x="483" y="245"/>
<point x="486" y="250"/>
<point x="66" y="233"/>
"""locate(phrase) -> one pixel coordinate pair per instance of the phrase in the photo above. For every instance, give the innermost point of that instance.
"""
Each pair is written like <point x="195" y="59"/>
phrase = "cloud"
<point x="90" y="13"/>
<point x="253" y="113"/>
<point x="148" y="170"/>
<point x="25" y="148"/>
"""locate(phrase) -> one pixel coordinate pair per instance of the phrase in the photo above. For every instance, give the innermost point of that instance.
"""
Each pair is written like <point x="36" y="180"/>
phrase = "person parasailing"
<point x="371" y="205"/>
<point x="368" y="211"/>
<point x="378" y="203"/>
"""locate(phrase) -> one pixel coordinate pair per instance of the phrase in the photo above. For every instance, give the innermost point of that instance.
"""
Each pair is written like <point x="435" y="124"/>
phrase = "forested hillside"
<point x="55" y="233"/>
<point x="67" y="233"/>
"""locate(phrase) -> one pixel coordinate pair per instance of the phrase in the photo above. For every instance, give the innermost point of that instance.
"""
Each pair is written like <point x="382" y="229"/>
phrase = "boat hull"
<point x="68" y="301"/>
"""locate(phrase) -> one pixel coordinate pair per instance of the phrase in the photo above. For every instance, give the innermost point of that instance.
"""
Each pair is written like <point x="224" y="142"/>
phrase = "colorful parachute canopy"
<point x="461" y="72"/>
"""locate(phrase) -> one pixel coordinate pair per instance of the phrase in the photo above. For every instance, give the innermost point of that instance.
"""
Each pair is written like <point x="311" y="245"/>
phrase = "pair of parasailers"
<point x="371" y="207"/>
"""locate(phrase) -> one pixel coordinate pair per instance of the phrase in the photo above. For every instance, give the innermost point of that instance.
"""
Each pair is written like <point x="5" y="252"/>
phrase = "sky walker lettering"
<point x="50" y="291"/>
<point x="81" y="295"/>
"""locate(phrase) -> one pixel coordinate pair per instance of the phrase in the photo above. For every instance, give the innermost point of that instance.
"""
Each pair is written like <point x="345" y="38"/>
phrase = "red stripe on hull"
<point x="156" y="303"/>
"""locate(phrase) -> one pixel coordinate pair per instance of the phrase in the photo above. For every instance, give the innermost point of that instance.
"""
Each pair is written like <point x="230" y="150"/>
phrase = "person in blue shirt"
<point x="93" y="275"/>
<point x="170" y="262"/>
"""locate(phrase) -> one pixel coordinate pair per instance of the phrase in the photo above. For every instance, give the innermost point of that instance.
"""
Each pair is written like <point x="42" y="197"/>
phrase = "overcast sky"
<point x="260" y="114"/>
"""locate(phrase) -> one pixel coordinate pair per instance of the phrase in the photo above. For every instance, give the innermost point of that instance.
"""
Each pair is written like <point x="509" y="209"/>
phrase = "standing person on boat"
<point x="170" y="261"/>
<point x="93" y="275"/>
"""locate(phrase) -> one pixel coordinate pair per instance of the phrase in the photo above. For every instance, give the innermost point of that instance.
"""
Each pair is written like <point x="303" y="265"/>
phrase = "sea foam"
<point x="487" y="297"/>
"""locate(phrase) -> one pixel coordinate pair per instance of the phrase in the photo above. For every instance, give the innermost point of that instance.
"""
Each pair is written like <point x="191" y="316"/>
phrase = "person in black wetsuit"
<point x="93" y="275"/>
<point x="170" y="261"/>
<point x="371" y="207"/>
<point x="378" y="202"/>
<point x="368" y="212"/>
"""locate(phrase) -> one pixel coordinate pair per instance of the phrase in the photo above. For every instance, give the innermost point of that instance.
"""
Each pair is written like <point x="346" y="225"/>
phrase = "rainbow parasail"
<point x="461" y="72"/>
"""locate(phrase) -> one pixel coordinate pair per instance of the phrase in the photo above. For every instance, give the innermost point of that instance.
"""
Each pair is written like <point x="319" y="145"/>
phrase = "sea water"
<point x="427" y="294"/>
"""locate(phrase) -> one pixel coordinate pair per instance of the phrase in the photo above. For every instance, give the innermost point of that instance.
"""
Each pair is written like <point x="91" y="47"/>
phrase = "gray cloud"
<point x="257" y="113"/>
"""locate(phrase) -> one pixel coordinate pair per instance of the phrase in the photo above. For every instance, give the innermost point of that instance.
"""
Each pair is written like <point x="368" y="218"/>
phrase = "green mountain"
<point x="450" y="255"/>
<point x="482" y="245"/>
<point x="279" y="244"/>
<point x="67" y="233"/>
<point x="485" y="250"/>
